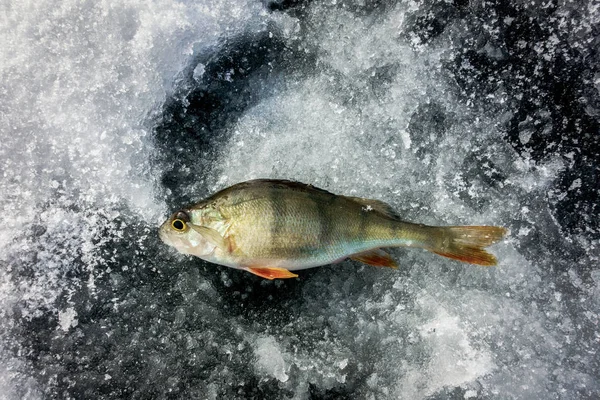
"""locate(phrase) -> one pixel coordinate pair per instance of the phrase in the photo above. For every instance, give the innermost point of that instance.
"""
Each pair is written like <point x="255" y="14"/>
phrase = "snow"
<point x="269" y="359"/>
<point x="114" y="113"/>
<point x="67" y="319"/>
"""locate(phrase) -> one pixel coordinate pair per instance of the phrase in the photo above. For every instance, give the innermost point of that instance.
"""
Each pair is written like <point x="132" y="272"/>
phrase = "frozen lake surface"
<point x="115" y="113"/>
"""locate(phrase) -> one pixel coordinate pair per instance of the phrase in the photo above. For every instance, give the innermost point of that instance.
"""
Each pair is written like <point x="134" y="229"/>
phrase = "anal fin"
<point x="271" y="272"/>
<point x="376" y="258"/>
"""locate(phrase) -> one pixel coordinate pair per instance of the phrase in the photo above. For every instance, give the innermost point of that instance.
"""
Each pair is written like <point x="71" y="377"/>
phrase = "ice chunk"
<point x="270" y="358"/>
<point x="67" y="319"/>
<point x="199" y="72"/>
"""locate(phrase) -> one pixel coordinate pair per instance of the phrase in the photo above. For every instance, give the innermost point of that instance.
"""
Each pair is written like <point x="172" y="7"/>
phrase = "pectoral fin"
<point x="377" y="258"/>
<point x="271" y="273"/>
<point x="211" y="235"/>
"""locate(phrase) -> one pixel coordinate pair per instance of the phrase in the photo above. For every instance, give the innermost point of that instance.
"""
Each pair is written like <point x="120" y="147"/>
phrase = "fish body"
<point x="271" y="227"/>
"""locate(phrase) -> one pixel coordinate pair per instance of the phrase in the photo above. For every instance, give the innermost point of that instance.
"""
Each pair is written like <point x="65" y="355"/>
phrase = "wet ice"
<point x="115" y="113"/>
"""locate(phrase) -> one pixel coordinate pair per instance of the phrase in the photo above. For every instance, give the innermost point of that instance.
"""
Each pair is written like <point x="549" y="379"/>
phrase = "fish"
<point x="273" y="227"/>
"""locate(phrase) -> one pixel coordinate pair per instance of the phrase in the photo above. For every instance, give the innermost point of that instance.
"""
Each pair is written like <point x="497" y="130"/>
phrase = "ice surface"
<point x="113" y="113"/>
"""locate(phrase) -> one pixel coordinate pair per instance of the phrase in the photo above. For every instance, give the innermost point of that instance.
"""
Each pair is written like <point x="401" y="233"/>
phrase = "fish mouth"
<point x="163" y="235"/>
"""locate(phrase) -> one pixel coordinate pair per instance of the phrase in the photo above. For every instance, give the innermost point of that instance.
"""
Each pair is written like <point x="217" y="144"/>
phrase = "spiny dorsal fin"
<point x="269" y="183"/>
<point x="376" y="205"/>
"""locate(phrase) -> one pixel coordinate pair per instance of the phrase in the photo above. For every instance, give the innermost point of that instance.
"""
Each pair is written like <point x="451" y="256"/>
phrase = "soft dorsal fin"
<point x="375" y="205"/>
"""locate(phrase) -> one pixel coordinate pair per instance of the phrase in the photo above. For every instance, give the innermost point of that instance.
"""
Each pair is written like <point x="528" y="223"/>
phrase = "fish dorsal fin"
<point x="375" y="205"/>
<point x="211" y="235"/>
<point x="269" y="184"/>
<point x="376" y="258"/>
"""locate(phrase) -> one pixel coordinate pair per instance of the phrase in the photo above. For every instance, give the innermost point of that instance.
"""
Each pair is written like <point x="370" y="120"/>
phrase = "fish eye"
<point x="178" y="225"/>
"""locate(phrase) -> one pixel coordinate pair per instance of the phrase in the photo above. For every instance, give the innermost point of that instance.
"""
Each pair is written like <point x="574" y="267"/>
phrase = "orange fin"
<point x="271" y="272"/>
<point x="467" y="243"/>
<point x="377" y="258"/>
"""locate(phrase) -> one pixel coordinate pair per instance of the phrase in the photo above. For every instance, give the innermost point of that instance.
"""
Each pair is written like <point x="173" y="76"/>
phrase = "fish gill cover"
<point x="115" y="113"/>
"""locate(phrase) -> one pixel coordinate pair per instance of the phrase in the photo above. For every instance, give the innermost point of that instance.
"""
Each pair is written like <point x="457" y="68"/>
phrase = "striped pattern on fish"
<point x="271" y="227"/>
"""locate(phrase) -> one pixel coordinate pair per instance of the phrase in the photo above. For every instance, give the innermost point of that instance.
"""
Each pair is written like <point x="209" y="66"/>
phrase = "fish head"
<point x="180" y="230"/>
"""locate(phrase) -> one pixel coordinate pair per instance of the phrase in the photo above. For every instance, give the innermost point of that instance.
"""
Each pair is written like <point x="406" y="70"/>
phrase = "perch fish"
<point x="273" y="227"/>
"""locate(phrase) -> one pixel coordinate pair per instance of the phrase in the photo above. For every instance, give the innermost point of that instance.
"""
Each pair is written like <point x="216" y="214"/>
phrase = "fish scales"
<point x="269" y="227"/>
<point x="288" y="224"/>
<point x="274" y="222"/>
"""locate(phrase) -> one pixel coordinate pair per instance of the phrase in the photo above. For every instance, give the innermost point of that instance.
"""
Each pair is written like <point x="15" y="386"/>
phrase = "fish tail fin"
<point x="467" y="243"/>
